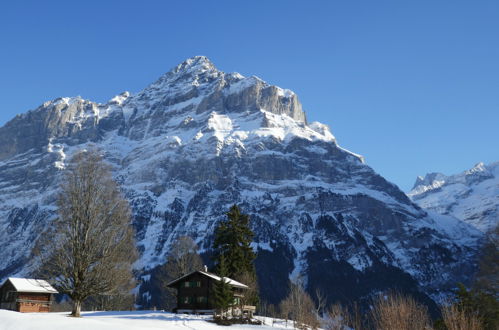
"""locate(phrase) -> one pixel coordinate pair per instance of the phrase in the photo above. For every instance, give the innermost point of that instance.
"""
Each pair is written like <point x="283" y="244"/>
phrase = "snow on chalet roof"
<point x="230" y="281"/>
<point x="31" y="285"/>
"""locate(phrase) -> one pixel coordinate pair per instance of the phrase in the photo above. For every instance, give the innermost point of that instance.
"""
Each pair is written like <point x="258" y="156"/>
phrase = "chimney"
<point x="206" y="268"/>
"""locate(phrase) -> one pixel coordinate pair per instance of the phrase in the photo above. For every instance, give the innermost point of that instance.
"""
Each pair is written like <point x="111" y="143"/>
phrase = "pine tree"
<point x="224" y="297"/>
<point x="479" y="303"/>
<point x="233" y="239"/>
<point x="487" y="278"/>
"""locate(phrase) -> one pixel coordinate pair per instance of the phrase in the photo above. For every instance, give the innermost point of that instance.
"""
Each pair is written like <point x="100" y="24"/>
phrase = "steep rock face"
<point x="471" y="196"/>
<point x="199" y="140"/>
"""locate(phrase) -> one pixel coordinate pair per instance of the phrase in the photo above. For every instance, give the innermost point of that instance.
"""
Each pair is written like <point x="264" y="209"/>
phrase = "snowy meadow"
<point x="134" y="320"/>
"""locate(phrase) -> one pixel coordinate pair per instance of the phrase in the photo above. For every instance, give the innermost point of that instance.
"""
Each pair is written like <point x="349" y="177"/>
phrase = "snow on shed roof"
<point x="31" y="285"/>
<point x="230" y="281"/>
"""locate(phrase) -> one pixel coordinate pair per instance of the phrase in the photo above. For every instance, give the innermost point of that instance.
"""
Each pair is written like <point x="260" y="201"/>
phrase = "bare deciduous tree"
<point x="183" y="259"/>
<point x="299" y="307"/>
<point x="267" y="310"/>
<point x="184" y="253"/>
<point x="251" y="295"/>
<point x="122" y="300"/>
<point x="397" y="312"/>
<point x="339" y="317"/>
<point x="321" y="302"/>
<point x="91" y="246"/>
<point x="458" y="319"/>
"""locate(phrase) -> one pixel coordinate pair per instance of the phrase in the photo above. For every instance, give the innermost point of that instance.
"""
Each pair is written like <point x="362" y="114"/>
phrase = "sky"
<point x="413" y="86"/>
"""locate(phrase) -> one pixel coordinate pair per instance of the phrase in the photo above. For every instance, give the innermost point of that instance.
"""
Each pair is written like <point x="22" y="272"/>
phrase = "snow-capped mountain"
<point x="198" y="140"/>
<point x="471" y="196"/>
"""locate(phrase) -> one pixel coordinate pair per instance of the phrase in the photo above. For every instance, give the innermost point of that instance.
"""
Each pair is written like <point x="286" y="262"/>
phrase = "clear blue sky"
<point x="411" y="85"/>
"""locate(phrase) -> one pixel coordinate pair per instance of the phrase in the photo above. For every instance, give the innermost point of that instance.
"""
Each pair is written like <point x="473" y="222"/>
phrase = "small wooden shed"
<point x="26" y="295"/>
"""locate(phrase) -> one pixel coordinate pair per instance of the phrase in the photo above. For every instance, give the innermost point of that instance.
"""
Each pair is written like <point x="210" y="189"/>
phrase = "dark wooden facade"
<point x="24" y="302"/>
<point x="195" y="293"/>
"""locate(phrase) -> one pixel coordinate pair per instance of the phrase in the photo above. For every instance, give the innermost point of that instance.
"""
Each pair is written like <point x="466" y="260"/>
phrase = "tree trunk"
<point x="76" y="308"/>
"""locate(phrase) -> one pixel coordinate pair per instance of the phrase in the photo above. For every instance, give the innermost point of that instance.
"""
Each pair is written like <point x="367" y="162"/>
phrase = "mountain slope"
<point x="198" y="140"/>
<point x="471" y="196"/>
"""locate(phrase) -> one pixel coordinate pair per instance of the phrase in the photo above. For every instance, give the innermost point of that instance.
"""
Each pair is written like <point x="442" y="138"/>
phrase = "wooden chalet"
<point x="26" y="295"/>
<point x="195" y="293"/>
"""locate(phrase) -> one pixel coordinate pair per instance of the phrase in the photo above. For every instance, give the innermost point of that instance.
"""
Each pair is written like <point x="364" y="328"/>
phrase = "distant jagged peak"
<point x="478" y="168"/>
<point x="477" y="173"/>
<point x="471" y="196"/>
<point x="432" y="181"/>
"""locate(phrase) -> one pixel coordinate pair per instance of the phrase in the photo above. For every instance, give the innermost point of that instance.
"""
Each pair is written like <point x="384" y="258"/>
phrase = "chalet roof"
<point x="31" y="285"/>
<point x="230" y="281"/>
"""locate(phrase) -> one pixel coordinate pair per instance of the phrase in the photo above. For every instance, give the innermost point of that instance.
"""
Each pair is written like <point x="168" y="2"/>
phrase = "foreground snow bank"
<point x="143" y="320"/>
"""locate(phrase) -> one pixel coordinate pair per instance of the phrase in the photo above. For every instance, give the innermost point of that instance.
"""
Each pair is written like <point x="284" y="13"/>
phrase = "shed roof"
<point x="230" y="281"/>
<point x="31" y="285"/>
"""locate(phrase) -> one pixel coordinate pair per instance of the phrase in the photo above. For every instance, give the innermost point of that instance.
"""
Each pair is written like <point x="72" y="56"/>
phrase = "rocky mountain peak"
<point x="479" y="170"/>
<point x="430" y="179"/>
<point x="195" y="89"/>
<point x="196" y="64"/>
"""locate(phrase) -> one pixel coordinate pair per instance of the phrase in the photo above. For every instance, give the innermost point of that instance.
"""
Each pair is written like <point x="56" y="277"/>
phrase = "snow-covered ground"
<point x="136" y="320"/>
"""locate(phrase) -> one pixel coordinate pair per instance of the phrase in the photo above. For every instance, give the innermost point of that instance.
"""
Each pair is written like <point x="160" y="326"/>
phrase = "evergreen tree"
<point x="479" y="303"/>
<point x="482" y="300"/>
<point x="233" y="239"/>
<point x="224" y="297"/>
<point x="487" y="278"/>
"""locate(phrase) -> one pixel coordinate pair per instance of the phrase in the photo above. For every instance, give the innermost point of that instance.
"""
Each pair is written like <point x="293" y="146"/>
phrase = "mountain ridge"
<point x="471" y="196"/>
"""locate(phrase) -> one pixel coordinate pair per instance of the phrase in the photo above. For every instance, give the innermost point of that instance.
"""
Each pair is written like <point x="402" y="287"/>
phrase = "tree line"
<point x="467" y="310"/>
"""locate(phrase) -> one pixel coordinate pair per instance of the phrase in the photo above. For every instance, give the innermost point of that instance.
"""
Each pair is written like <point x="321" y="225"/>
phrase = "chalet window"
<point x="201" y="299"/>
<point x="186" y="300"/>
<point x="193" y="284"/>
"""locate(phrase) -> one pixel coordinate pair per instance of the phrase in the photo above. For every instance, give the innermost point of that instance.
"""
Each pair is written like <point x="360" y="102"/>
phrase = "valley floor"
<point x="134" y="320"/>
